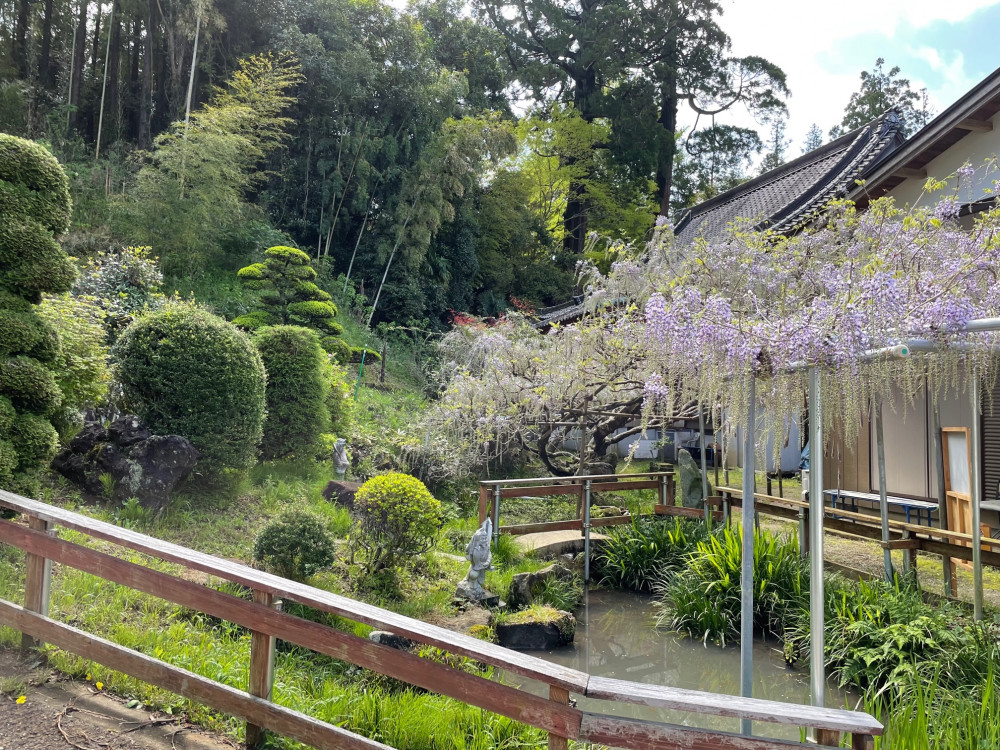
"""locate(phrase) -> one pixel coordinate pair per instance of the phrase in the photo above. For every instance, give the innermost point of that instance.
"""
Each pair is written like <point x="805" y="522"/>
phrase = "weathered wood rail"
<point x="40" y="541"/>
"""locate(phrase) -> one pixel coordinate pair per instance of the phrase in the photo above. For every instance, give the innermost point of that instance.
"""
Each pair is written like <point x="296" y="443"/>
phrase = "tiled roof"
<point x="790" y="196"/>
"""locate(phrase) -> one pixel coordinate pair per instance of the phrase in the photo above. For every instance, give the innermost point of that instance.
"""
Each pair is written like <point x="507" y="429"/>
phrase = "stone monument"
<point x="340" y="460"/>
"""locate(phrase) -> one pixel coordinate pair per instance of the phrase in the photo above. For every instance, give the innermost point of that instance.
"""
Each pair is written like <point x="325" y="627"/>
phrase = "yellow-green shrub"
<point x="397" y="517"/>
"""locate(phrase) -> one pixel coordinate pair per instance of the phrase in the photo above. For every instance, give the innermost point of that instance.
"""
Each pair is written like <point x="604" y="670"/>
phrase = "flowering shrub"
<point x="397" y="517"/>
<point x="670" y="327"/>
<point x="126" y="281"/>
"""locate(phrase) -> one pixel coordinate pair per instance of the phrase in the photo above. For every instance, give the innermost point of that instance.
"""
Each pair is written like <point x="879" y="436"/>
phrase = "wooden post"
<point x="828" y="737"/>
<point x="484" y="502"/>
<point x="559" y="695"/>
<point x="37" y="579"/>
<point x="262" y="652"/>
<point x="803" y="532"/>
<point x="862" y="741"/>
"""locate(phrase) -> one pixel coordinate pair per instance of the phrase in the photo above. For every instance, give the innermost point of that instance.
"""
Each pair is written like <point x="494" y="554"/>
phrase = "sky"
<point x="945" y="47"/>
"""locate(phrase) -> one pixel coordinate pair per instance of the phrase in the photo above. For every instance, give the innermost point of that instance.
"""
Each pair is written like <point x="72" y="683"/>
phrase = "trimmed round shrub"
<point x="31" y="261"/>
<point x="33" y="184"/>
<point x="297" y="387"/>
<point x="36" y="440"/>
<point x="339" y="349"/>
<point x="29" y="385"/>
<point x="187" y="372"/>
<point x="296" y="546"/>
<point x="397" y="518"/>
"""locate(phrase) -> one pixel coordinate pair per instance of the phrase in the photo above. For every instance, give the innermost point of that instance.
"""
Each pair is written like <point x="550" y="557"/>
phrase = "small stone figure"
<point x="478" y="553"/>
<point x="340" y="459"/>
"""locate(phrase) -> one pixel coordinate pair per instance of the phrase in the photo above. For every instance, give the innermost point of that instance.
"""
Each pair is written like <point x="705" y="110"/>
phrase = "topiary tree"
<point x="397" y="517"/>
<point x="35" y="209"/>
<point x="296" y="546"/>
<point x="298" y="385"/>
<point x="187" y="372"/>
<point x="289" y="296"/>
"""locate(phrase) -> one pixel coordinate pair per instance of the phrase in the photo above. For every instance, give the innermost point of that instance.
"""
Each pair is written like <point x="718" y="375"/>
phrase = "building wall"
<point x="975" y="149"/>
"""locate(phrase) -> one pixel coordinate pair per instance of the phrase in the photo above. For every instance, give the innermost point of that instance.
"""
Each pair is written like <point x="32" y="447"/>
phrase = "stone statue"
<point x="340" y="460"/>
<point x="478" y="553"/>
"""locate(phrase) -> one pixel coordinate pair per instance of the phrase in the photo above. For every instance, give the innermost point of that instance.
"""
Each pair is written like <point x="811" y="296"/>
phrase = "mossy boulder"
<point x="535" y="629"/>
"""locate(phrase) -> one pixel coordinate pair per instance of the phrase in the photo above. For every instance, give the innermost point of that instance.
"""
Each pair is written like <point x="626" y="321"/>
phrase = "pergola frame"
<point x="816" y="506"/>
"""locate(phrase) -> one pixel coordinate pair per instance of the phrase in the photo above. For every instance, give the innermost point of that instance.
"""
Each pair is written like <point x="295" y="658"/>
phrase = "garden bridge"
<point x="554" y="714"/>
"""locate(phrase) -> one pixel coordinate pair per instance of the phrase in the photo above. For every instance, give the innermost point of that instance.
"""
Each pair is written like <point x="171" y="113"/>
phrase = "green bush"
<point x="33" y="185"/>
<point x="31" y="261"/>
<point x="397" y="517"/>
<point x="297" y="390"/>
<point x="295" y="546"/>
<point x="703" y="599"/>
<point x="184" y="371"/>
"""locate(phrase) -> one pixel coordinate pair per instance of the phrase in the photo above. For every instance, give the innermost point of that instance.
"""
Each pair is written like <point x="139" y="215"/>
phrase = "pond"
<point x="615" y="637"/>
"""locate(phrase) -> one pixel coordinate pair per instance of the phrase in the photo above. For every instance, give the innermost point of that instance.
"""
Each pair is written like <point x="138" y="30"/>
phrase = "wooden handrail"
<point x="551" y="714"/>
<point x="575" y="479"/>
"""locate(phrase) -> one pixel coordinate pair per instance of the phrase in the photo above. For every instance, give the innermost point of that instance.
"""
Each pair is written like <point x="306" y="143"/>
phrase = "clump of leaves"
<point x="295" y="546"/>
<point x="397" y="518"/>
<point x="639" y="555"/>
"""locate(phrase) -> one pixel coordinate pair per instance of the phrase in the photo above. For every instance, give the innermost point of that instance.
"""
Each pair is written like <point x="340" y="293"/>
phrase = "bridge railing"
<point x="554" y="714"/>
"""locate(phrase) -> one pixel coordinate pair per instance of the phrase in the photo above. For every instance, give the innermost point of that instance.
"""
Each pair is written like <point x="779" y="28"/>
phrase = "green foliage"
<point x="560" y="594"/>
<point x="703" y="599"/>
<point x="881" y="91"/>
<point x="29" y="385"/>
<point x="296" y="546"/>
<point x="190" y="195"/>
<point x="339" y="403"/>
<point x="288" y="295"/>
<point x="298" y="384"/>
<point x="33" y="187"/>
<point x="397" y="518"/>
<point x="126" y="281"/>
<point x="31" y="261"/>
<point x="184" y="371"/>
<point x="81" y="365"/>
<point x="642" y="554"/>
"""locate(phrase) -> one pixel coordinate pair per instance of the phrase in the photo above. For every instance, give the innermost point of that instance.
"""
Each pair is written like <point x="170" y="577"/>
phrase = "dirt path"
<point x="58" y="713"/>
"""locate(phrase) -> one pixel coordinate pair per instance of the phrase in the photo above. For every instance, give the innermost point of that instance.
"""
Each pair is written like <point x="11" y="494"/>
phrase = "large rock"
<point x="689" y="476"/>
<point x="144" y="466"/>
<point x="341" y="493"/>
<point x="526" y="632"/>
<point x="524" y="587"/>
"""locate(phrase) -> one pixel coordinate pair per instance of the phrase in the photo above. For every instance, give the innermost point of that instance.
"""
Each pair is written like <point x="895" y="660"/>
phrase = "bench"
<point x="908" y="505"/>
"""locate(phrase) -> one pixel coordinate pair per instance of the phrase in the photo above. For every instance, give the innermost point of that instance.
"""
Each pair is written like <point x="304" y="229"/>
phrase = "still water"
<point x="615" y="637"/>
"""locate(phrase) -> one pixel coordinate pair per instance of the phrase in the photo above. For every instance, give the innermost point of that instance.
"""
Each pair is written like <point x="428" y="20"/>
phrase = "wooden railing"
<point x="553" y="714"/>
<point x="491" y="492"/>
<point x="908" y="537"/>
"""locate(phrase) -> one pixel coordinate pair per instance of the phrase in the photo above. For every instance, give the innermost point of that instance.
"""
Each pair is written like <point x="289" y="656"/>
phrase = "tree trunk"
<point x="114" y="77"/>
<point x="45" y="57"/>
<point x="19" y="44"/>
<point x="577" y="204"/>
<point x="79" y="56"/>
<point x="132" y="108"/>
<point x="145" y="137"/>
<point x="97" y="36"/>
<point x="668" y="123"/>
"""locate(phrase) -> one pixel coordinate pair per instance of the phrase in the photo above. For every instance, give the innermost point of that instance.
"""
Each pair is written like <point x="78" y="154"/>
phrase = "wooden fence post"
<point x="559" y="695"/>
<point x="37" y="580"/>
<point x="862" y="741"/>
<point x="484" y="502"/>
<point x="262" y="651"/>
<point x="828" y="737"/>
<point x="803" y="532"/>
